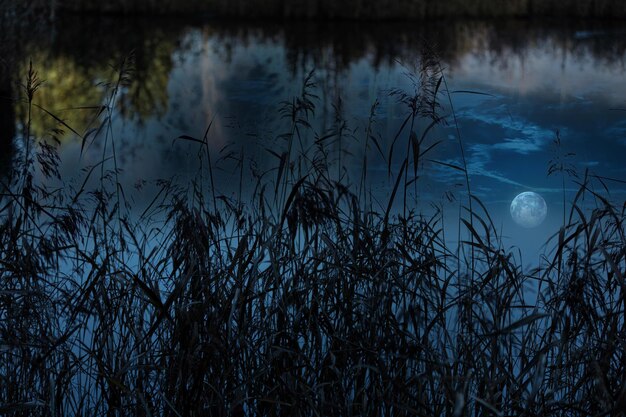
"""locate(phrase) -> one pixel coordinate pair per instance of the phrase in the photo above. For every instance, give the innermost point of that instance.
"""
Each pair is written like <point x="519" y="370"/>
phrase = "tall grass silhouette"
<point x="304" y="299"/>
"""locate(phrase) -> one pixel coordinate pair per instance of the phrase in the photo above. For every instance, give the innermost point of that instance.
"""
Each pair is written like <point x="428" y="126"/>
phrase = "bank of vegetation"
<point x="349" y="9"/>
<point x="305" y="299"/>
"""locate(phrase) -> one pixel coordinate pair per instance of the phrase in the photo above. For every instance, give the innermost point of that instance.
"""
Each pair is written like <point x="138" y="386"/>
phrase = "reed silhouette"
<point x="304" y="299"/>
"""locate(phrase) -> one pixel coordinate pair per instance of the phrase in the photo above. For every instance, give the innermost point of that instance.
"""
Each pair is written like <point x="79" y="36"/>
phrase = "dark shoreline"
<point x="356" y="9"/>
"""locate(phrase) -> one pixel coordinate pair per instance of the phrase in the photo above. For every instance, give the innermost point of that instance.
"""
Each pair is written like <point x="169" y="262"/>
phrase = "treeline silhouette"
<point x="358" y="9"/>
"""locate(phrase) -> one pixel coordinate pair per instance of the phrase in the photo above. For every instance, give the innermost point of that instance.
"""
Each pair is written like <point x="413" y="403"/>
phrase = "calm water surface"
<point x="513" y="86"/>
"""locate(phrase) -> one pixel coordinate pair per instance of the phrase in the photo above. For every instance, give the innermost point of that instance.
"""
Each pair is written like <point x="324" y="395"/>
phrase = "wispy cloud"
<point x="522" y="136"/>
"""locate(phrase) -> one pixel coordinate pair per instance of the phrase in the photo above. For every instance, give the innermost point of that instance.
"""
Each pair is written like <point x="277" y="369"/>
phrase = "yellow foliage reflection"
<point x="76" y="87"/>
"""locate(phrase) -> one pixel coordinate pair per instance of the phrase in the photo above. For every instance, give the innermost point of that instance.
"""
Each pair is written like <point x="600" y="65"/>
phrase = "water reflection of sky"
<point x="536" y="81"/>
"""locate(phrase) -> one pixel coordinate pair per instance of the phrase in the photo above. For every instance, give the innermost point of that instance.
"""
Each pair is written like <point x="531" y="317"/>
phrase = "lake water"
<point x="513" y="85"/>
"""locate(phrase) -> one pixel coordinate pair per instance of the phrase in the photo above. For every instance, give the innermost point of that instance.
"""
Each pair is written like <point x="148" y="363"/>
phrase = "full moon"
<point x="529" y="209"/>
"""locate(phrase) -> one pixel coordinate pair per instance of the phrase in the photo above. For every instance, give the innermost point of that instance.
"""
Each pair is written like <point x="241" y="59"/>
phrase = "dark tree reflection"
<point x="7" y="124"/>
<point x="76" y="56"/>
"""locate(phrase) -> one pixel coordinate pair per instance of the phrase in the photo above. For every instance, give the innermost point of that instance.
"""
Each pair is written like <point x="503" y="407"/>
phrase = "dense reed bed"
<point x="304" y="299"/>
